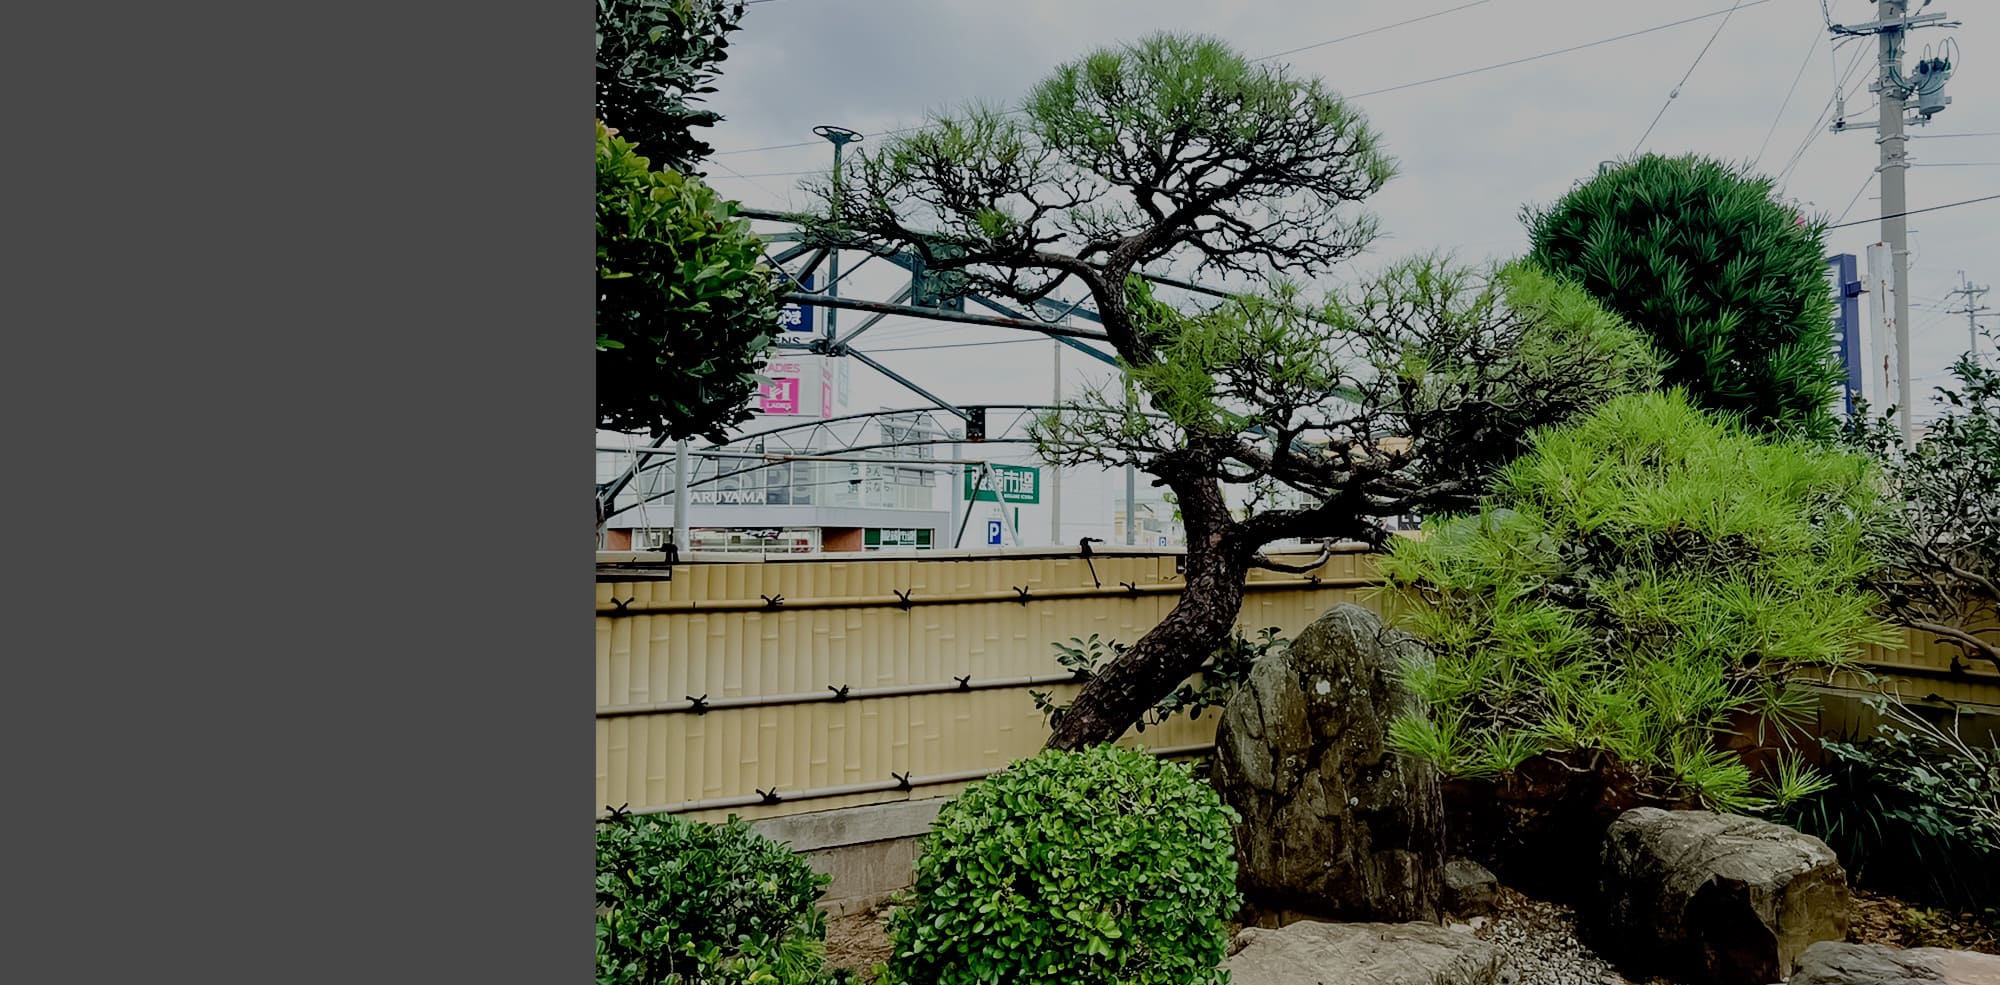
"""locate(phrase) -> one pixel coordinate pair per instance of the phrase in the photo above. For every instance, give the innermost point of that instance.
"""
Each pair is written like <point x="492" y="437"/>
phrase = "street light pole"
<point x="839" y="137"/>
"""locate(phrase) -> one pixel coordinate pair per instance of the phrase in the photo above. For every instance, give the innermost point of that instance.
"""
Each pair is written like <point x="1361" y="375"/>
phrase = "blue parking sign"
<point x="993" y="531"/>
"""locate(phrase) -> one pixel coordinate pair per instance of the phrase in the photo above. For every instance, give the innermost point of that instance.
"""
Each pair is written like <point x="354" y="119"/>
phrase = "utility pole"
<point x="1895" y="168"/>
<point x="1131" y="505"/>
<point x="1893" y="89"/>
<point x="1971" y="312"/>
<point x="681" y="508"/>
<point x="1055" y="471"/>
<point x="957" y="475"/>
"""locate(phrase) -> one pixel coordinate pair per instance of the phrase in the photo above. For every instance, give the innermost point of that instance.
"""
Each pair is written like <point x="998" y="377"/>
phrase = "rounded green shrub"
<point x="682" y="902"/>
<point x="1728" y="281"/>
<point x="1102" y="866"/>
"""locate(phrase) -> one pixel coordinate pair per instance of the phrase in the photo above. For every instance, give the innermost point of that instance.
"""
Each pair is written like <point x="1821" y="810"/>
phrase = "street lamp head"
<point x="838" y="135"/>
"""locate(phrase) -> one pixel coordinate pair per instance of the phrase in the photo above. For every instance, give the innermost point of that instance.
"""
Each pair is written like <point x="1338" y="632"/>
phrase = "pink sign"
<point x="826" y="398"/>
<point x="780" y="396"/>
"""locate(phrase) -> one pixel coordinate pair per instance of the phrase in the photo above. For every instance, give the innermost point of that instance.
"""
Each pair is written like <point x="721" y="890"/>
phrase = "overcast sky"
<point x="1471" y="149"/>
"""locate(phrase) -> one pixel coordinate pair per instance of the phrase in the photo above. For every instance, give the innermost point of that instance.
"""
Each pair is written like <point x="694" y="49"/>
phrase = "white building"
<point x="754" y="497"/>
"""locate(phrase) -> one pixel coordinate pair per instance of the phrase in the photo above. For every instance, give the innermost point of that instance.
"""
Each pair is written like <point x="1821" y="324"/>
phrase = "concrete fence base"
<point x="871" y="851"/>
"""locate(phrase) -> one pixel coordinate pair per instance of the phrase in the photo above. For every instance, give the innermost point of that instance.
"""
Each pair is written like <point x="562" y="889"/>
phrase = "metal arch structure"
<point x="1046" y="316"/>
<point x="800" y="259"/>
<point x="796" y="260"/>
<point x="754" y="462"/>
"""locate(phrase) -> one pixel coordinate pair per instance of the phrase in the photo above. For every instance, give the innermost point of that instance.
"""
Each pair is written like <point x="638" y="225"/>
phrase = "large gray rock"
<point x="1469" y="889"/>
<point x="1335" y="824"/>
<point x="1713" y="898"/>
<point x="1314" y="953"/>
<point x="1833" y="963"/>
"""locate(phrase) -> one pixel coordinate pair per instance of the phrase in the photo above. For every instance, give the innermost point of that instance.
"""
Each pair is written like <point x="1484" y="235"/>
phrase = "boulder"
<point x="1715" y="899"/>
<point x="1539" y="827"/>
<point x="1335" y="824"/>
<point x="1469" y="890"/>
<point x="1835" y="963"/>
<point x="1314" y="953"/>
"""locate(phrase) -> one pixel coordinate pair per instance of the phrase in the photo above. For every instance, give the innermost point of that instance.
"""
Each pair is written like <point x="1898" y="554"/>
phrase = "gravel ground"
<point x="1541" y="939"/>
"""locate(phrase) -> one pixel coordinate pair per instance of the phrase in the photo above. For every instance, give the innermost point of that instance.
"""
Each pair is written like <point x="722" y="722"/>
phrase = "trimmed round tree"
<point x="717" y="904"/>
<point x="1729" y="282"/>
<point x="1104" y="866"/>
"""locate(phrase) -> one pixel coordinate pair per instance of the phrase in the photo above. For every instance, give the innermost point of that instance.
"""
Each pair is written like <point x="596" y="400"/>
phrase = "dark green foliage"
<point x="1639" y="575"/>
<point x="1170" y="145"/>
<point x="1086" y="868"/>
<point x="681" y="902"/>
<point x="655" y="58"/>
<point x="1913" y="811"/>
<point x="686" y="309"/>
<point x="1728" y="282"/>
<point x="1227" y="668"/>
<point x="1940" y="546"/>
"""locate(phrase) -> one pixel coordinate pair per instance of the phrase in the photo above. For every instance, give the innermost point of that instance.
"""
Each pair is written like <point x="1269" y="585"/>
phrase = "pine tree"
<point x="1728" y="282"/>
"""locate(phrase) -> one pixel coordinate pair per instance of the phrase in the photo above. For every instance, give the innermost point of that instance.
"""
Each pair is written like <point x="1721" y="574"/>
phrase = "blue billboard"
<point x="1844" y="278"/>
<point x="794" y="317"/>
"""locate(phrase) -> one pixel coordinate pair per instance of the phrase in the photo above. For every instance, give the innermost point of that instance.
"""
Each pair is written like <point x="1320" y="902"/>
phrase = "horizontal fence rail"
<point x="1020" y="595"/>
<point x="807" y="683"/>
<point x="898" y="783"/>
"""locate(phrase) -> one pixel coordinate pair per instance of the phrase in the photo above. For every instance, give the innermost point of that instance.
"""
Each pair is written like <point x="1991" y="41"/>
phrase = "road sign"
<point x="794" y="317"/>
<point x="993" y="532"/>
<point x="1016" y="484"/>
<point x="1163" y="540"/>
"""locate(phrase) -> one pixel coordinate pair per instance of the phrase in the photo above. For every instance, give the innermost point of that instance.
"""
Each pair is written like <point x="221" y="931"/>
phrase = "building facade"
<point x="777" y="494"/>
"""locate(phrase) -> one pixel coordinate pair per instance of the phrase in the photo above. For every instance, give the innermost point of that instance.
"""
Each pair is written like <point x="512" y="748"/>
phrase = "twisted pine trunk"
<point x="1218" y="560"/>
<point x="1116" y="696"/>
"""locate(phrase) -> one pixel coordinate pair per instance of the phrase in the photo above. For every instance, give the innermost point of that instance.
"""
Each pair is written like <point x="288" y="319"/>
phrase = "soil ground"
<point x="1879" y="919"/>
<point x="858" y="941"/>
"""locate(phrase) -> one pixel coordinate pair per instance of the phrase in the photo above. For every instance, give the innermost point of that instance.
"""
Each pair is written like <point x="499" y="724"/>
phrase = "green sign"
<point x="1016" y="484"/>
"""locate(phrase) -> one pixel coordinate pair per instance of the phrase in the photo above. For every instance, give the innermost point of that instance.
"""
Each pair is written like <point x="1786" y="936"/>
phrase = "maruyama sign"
<point x="1016" y="484"/>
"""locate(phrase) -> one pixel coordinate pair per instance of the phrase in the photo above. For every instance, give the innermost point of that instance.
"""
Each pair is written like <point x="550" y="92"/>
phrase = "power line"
<point x="1865" y="182"/>
<point x="1813" y="134"/>
<point x="754" y="150"/>
<point x="1741" y="5"/>
<point x="1841" y="94"/>
<point x="1319" y="44"/>
<point x="1558" y="51"/>
<point x="1946" y="136"/>
<point x="1685" y="76"/>
<point x="745" y="177"/>
<point x="1898" y="215"/>
<point x="951" y="345"/>
<point x="1817" y="34"/>
<point x="1363" y="34"/>
<point x="1956" y="164"/>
